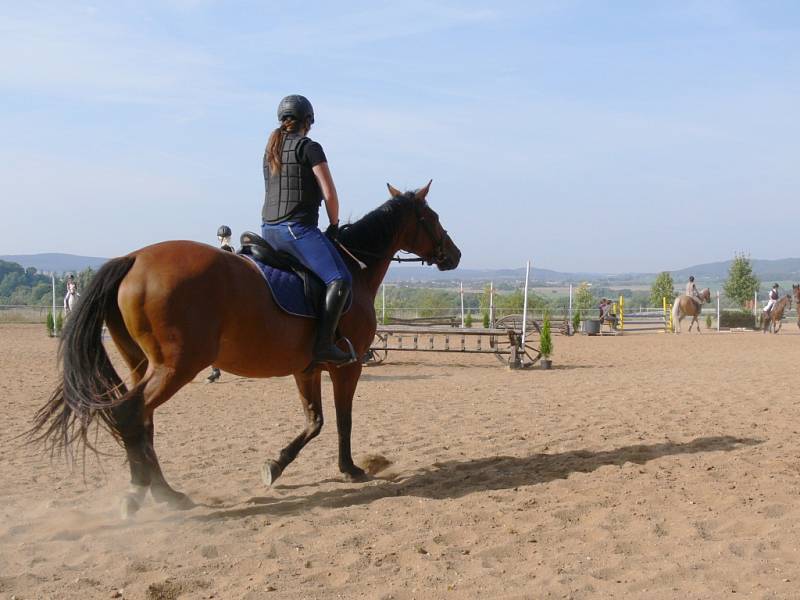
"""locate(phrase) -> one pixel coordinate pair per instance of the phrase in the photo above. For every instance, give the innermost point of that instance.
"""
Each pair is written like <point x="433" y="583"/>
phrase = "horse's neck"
<point x="373" y="275"/>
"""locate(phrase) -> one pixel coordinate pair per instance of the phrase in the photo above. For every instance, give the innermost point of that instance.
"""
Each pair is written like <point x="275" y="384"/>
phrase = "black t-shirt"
<point x="309" y="155"/>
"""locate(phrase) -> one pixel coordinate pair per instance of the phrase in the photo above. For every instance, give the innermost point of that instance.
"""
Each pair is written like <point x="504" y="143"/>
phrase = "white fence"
<point x="10" y="313"/>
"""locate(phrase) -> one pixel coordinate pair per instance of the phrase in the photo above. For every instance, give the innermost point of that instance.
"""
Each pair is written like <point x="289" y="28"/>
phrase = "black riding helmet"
<point x="224" y="231"/>
<point x="691" y="277"/>
<point x="297" y="107"/>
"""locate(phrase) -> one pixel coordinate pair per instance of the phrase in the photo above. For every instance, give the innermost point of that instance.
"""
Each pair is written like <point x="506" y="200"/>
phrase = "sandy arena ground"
<point x="644" y="466"/>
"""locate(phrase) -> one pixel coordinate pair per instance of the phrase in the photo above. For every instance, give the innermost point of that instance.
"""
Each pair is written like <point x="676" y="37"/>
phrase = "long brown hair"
<point x="272" y="155"/>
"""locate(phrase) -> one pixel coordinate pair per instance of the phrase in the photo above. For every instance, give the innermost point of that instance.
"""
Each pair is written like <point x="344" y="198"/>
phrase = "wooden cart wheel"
<point x="513" y="323"/>
<point x="375" y="356"/>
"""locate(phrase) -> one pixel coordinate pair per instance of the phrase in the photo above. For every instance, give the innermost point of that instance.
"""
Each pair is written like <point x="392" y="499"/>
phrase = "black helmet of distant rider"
<point x="224" y="231"/>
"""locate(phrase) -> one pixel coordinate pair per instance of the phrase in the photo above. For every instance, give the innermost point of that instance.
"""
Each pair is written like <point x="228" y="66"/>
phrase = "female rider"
<point x="297" y="180"/>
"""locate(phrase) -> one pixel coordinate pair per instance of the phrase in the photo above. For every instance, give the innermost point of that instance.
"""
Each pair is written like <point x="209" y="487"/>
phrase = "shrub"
<point x="59" y="323"/>
<point x="737" y="318"/>
<point x="486" y="323"/>
<point x="709" y="321"/>
<point x="51" y="325"/>
<point x="545" y="338"/>
<point x="576" y="321"/>
<point x="468" y="320"/>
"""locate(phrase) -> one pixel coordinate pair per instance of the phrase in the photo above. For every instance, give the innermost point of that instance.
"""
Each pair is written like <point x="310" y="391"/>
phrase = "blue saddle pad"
<point x="288" y="291"/>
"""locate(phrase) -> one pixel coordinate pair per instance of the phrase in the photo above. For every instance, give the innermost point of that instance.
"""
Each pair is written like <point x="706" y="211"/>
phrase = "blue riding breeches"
<point x="308" y="245"/>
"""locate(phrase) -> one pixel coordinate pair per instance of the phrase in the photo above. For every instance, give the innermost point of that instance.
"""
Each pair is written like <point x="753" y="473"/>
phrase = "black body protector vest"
<point x="294" y="190"/>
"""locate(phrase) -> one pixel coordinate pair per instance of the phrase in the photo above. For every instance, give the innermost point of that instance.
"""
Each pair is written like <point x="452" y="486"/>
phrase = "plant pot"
<point x="546" y="363"/>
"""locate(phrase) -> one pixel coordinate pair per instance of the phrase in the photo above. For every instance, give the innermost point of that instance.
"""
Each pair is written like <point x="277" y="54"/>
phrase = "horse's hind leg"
<point x="134" y="421"/>
<point x="309" y="386"/>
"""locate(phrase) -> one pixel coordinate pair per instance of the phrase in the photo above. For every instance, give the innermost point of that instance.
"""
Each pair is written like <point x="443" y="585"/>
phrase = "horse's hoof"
<point x="356" y="475"/>
<point x="173" y="499"/>
<point x="129" y="506"/>
<point x="270" y="472"/>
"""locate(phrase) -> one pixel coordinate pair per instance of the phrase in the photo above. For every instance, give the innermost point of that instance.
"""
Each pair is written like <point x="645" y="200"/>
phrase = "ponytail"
<point x="272" y="155"/>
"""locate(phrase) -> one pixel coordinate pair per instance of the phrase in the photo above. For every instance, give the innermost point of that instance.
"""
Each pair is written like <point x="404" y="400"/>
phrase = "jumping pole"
<point x="622" y="313"/>
<point x="717" y="311"/>
<point x="383" y="303"/>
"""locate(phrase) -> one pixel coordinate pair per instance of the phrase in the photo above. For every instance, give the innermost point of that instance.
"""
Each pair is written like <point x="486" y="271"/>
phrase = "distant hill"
<point x="53" y="262"/>
<point x="784" y="269"/>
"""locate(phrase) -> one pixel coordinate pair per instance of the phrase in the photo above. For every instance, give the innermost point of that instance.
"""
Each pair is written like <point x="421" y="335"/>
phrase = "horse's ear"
<point x="421" y="193"/>
<point x="394" y="191"/>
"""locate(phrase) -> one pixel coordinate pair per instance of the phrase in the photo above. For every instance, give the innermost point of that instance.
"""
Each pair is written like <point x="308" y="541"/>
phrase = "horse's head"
<point x="796" y="293"/>
<point x="424" y="235"/>
<point x="706" y="295"/>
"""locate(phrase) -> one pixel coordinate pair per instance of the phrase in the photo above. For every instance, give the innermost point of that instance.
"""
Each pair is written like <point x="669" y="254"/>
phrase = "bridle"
<point x="438" y="256"/>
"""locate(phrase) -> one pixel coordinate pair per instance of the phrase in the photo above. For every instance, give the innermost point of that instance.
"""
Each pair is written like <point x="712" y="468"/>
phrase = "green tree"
<point x="663" y="287"/>
<point x="741" y="284"/>
<point x="584" y="299"/>
<point x="546" y="338"/>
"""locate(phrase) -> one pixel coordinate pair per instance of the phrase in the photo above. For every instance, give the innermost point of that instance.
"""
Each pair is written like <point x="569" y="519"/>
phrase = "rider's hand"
<point x="332" y="232"/>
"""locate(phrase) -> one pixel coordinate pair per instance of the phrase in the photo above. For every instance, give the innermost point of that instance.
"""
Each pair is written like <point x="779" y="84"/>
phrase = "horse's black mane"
<point x="370" y="237"/>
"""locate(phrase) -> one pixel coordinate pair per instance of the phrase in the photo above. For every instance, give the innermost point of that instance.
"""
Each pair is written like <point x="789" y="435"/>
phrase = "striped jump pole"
<point x="622" y="313"/>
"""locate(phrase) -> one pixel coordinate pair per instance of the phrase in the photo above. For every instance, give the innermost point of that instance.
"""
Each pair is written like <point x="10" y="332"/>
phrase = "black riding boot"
<point x="325" y="351"/>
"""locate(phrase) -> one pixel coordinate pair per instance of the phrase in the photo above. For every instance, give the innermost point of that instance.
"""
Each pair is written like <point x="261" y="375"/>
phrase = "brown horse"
<point x="686" y="307"/>
<point x="177" y="307"/>
<point x="773" y="321"/>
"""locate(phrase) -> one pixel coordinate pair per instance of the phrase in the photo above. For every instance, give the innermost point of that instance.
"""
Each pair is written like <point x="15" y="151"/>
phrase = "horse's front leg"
<point x="345" y="381"/>
<point x="308" y="384"/>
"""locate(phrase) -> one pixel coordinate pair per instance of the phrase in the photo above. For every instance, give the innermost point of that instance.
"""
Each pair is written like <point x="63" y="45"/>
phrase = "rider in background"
<point x="71" y="295"/>
<point x="224" y="238"/>
<point x="691" y="291"/>
<point x="773" y="298"/>
<point x="297" y="180"/>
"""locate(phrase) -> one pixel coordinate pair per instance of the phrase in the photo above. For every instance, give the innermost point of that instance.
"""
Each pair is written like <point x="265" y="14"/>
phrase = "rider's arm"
<point x="325" y="180"/>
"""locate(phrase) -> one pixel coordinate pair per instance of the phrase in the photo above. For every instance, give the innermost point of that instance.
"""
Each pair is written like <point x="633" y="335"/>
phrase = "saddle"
<point x="256" y="247"/>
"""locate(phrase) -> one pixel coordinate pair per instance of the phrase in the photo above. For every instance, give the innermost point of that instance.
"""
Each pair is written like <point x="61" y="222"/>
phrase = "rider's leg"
<point x="316" y="252"/>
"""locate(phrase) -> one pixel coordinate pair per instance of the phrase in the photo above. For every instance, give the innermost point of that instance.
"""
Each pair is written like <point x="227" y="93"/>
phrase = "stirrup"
<point x="351" y="359"/>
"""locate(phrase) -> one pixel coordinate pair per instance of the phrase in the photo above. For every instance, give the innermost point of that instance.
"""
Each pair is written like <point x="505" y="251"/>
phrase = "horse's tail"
<point x="89" y="384"/>
<point x="676" y="312"/>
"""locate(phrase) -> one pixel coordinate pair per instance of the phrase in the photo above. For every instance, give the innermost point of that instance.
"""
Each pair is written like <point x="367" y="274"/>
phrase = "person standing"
<point x="224" y="238"/>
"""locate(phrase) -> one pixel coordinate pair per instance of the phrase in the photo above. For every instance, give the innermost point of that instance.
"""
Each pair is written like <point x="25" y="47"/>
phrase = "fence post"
<point x="570" y="304"/>
<point x="718" y="313"/>
<point x="525" y="303"/>
<point x="491" y="304"/>
<point x="383" y="303"/>
<point x="53" y="276"/>
<point x="462" y="304"/>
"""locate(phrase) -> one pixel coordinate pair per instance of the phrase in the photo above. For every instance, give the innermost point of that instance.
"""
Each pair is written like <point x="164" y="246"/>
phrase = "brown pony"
<point x="177" y="307"/>
<point x="772" y="322"/>
<point x="686" y="307"/>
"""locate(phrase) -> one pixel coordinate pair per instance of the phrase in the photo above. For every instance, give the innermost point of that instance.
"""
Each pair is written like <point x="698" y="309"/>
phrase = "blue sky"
<point x="607" y="136"/>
